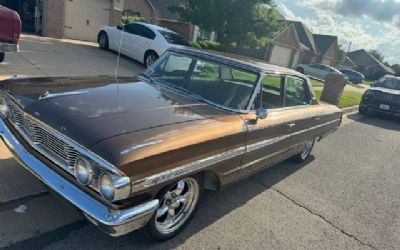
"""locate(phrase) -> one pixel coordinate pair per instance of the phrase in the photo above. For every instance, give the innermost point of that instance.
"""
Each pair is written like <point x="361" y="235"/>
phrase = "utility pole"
<point x="349" y="47"/>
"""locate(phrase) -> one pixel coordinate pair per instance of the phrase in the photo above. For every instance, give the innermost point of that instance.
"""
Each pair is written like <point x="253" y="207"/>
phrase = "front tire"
<point x="305" y="153"/>
<point x="178" y="203"/>
<point x="2" y="56"/>
<point x="149" y="58"/>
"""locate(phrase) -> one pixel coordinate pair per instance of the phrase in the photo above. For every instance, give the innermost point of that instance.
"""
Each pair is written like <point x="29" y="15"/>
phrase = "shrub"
<point x="210" y="45"/>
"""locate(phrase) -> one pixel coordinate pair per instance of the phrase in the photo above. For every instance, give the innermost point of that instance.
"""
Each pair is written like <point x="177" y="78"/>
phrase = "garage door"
<point x="280" y="56"/>
<point x="83" y="18"/>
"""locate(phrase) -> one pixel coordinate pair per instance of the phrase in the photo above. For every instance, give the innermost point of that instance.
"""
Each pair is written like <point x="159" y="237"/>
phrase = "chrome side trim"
<point x="139" y="146"/>
<point x="113" y="222"/>
<point x="186" y="169"/>
<point x="106" y="165"/>
<point x="48" y="95"/>
<point x="165" y="176"/>
<point x="265" y="143"/>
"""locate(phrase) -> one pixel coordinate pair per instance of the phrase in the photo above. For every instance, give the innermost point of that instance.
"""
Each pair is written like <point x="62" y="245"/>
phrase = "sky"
<point x="367" y="24"/>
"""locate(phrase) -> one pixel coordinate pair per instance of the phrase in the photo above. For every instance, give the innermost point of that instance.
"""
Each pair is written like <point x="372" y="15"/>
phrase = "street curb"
<point x="349" y="110"/>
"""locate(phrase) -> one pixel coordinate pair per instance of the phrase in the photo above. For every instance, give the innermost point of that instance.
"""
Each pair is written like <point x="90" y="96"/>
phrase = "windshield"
<point x="212" y="82"/>
<point x="389" y="83"/>
<point x="174" y="38"/>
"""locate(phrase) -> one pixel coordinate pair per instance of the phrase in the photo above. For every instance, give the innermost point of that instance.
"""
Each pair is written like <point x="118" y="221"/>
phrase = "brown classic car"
<point x="134" y="152"/>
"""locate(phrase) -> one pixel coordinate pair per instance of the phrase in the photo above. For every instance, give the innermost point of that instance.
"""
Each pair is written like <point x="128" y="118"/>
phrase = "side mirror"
<point x="261" y="113"/>
<point x="119" y="27"/>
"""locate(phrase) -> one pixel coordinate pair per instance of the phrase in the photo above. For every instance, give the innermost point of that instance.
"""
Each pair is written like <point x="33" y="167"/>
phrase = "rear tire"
<point x="103" y="40"/>
<point x="178" y="204"/>
<point x="2" y="56"/>
<point x="305" y="153"/>
<point x="149" y="58"/>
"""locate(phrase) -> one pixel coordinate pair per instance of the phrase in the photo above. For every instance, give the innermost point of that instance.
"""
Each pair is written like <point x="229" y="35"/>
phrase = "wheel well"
<point x="148" y="52"/>
<point x="211" y="181"/>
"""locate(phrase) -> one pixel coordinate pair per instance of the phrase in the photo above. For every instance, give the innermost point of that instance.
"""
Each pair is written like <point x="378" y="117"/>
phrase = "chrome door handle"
<point x="317" y="118"/>
<point x="291" y="124"/>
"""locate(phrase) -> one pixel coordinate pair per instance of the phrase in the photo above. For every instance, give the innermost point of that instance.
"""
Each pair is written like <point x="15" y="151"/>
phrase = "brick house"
<point x="296" y="44"/>
<point x="367" y="64"/>
<point x="74" y="19"/>
<point x="157" y="12"/>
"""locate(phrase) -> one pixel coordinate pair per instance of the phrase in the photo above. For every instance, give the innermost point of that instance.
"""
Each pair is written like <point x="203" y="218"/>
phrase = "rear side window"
<point x="271" y="95"/>
<point x="174" y="38"/>
<point x="296" y="92"/>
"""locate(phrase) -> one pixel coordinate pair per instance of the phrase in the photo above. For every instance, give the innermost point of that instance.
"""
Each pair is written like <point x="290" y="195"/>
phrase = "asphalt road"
<point x="345" y="197"/>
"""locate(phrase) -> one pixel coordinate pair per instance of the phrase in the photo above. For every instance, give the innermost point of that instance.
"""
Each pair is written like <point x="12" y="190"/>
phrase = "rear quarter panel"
<point x="6" y="25"/>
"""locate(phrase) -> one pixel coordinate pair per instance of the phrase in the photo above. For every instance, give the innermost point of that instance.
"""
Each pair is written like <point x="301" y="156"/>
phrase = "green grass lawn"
<point x="349" y="98"/>
<point x="316" y="83"/>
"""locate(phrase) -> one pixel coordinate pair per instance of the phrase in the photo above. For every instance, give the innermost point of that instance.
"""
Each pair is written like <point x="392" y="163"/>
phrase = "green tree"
<point x="244" y="23"/>
<point x="340" y="56"/>
<point x="396" y="68"/>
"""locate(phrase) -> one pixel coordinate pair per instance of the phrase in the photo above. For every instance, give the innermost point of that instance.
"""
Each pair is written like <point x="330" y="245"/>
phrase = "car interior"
<point x="220" y="84"/>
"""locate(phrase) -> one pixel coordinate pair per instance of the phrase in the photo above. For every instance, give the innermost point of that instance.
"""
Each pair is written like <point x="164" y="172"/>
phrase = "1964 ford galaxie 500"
<point x="137" y="152"/>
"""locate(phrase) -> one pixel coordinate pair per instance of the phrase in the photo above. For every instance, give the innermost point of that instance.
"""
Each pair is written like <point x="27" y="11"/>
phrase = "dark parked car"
<point x="10" y="29"/>
<point x="137" y="152"/>
<point x="354" y="76"/>
<point x="383" y="97"/>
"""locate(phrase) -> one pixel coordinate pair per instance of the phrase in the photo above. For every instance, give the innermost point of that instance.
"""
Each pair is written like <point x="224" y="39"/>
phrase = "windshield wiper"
<point x="147" y="77"/>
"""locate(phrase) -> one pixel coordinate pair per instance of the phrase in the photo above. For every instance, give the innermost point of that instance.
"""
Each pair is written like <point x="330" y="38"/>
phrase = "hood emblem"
<point x="139" y="146"/>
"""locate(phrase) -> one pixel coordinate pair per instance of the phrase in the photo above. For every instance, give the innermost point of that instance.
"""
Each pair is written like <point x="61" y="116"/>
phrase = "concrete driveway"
<point x="40" y="56"/>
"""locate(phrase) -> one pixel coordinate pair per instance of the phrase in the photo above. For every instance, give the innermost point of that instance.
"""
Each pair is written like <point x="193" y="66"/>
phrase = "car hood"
<point x="385" y="90"/>
<point x="89" y="110"/>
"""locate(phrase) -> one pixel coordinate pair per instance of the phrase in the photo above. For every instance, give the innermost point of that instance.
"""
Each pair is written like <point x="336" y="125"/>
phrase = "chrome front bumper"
<point x="112" y="222"/>
<point x="8" y="47"/>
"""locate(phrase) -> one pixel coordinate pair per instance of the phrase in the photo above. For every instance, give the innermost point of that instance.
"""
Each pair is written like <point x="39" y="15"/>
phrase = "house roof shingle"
<point x="363" y="58"/>
<point x="162" y="11"/>
<point x="324" y="42"/>
<point x="305" y="35"/>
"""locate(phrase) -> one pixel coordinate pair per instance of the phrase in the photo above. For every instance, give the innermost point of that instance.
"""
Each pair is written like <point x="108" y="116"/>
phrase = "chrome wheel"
<point x="177" y="205"/>
<point x="307" y="149"/>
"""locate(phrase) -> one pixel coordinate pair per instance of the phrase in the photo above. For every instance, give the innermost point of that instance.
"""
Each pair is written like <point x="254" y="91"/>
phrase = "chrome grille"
<point x="47" y="144"/>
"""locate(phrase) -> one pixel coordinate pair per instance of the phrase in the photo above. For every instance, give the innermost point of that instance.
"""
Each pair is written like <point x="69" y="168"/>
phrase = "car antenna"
<point x="119" y="53"/>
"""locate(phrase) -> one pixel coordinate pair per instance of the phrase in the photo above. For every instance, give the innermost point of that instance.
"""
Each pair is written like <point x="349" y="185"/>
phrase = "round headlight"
<point x="3" y="107"/>
<point x="83" y="171"/>
<point x="107" y="187"/>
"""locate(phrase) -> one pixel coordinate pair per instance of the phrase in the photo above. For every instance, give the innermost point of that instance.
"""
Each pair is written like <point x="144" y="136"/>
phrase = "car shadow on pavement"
<point x="381" y="121"/>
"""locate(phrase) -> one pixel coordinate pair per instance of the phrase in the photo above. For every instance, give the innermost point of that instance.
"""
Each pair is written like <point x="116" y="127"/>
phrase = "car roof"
<point x="237" y="60"/>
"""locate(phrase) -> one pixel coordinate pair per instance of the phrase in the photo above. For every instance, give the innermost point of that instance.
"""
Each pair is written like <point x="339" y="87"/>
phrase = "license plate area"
<point x="384" y="107"/>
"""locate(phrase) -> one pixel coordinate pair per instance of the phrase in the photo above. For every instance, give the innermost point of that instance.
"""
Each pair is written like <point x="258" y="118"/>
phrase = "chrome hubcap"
<point x="177" y="205"/>
<point x="307" y="149"/>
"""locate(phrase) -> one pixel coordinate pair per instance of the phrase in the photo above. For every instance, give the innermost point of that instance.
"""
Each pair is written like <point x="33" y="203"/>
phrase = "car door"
<point x="308" y="120"/>
<point x="266" y="139"/>
<point x="137" y="41"/>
